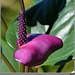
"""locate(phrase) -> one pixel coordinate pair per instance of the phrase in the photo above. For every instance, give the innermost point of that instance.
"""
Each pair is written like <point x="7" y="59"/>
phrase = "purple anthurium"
<point x="36" y="51"/>
<point x="37" y="47"/>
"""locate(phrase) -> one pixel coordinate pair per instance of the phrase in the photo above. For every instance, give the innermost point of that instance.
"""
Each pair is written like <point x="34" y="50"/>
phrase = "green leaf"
<point x="69" y="67"/>
<point x="48" y="68"/>
<point x="28" y="4"/>
<point x="8" y="53"/>
<point x="37" y="1"/>
<point x="64" y="29"/>
<point x="11" y="35"/>
<point x="4" y="67"/>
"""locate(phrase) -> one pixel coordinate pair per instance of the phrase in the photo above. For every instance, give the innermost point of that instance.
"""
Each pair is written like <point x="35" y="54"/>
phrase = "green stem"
<point x="22" y="68"/>
<point x="7" y="62"/>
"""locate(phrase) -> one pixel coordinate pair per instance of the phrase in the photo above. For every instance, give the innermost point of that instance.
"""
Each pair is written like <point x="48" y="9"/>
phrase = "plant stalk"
<point x="22" y="5"/>
<point x="35" y="68"/>
<point x="22" y="68"/>
<point x="27" y="69"/>
<point x="7" y="62"/>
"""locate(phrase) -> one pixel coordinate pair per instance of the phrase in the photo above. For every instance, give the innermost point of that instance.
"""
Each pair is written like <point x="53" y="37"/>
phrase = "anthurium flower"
<point x="37" y="49"/>
<point x="34" y="49"/>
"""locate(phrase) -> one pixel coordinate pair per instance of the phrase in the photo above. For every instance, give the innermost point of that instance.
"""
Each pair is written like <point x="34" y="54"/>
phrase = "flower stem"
<point x="7" y="62"/>
<point x="49" y="29"/>
<point x="22" y="68"/>
<point x="22" y="5"/>
<point x="27" y="68"/>
<point x="35" y="68"/>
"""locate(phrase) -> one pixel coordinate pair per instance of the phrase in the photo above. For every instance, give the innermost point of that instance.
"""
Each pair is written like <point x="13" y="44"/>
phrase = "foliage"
<point x="63" y="27"/>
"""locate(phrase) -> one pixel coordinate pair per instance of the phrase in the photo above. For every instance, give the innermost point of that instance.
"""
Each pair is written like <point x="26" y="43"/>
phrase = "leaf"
<point x="69" y="67"/>
<point x="8" y="53"/>
<point x="64" y="29"/>
<point x="48" y="68"/>
<point x="11" y="35"/>
<point x="37" y="1"/>
<point x="28" y="4"/>
<point x="46" y="12"/>
<point x="4" y="67"/>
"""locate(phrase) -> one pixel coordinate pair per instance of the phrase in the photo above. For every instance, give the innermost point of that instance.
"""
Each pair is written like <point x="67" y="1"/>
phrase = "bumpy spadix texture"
<point x="37" y="50"/>
<point x="22" y="28"/>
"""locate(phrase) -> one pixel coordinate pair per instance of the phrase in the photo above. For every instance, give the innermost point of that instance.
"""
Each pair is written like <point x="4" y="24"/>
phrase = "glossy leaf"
<point x="8" y="53"/>
<point x="12" y="35"/>
<point x="37" y="1"/>
<point x="48" y="68"/>
<point x="4" y="67"/>
<point x="28" y="4"/>
<point x="64" y="29"/>
<point x="67" y="67"/>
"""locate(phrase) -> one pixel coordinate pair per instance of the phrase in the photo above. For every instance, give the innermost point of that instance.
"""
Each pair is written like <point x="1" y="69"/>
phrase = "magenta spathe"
<point x="36" y="51"/>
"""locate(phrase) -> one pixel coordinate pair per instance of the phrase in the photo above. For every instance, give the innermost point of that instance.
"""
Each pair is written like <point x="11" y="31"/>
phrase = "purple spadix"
<point x="22" y="28"/>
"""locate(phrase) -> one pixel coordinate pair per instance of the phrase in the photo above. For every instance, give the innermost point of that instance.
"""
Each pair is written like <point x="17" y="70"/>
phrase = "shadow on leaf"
<point x="64" y="61"/>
